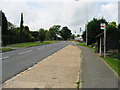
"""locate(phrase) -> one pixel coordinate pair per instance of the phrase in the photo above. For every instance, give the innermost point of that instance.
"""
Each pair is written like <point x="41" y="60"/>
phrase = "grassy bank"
<point x="2" y="49"/>
<point x="84" y="45"/>
<point x="30" y="44"/>
<point x="113" y="63"/>
<point x="110" y="60"/>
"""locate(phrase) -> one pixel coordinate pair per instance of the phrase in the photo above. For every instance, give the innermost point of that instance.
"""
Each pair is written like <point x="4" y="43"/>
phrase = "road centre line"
<point x="41" y="48"/>
<point x="5" y="57"/>
<point x="25" y="52"/>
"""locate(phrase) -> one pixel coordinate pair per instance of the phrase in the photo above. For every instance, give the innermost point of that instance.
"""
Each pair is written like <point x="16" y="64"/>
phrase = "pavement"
<point x="14" y="62"/>
<point x="60" y="70"/>
<point x="96" y="73"/>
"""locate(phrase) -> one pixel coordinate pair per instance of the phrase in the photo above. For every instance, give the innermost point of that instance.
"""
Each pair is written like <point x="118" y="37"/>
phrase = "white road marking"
<point x="5" y="57"/>
<point x="41" y="48"/>
<point x="25" y="52"/>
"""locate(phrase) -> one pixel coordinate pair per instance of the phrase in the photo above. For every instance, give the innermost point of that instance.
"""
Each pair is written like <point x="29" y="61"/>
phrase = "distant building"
<point x="80" y="39"/>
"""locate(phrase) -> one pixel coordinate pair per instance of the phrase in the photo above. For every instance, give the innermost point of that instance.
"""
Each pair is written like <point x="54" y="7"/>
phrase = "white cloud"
<point x="109" y="11"/>
<point x="46" y="14"/>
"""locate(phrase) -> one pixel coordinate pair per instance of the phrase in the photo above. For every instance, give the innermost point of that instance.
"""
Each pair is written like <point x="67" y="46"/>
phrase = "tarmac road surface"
<point x="14" y="62"/>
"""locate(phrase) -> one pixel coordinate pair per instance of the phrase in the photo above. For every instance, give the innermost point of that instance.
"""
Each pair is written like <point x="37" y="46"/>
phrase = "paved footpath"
<point x="95" y="73"/>
<point x="60" y="70"/>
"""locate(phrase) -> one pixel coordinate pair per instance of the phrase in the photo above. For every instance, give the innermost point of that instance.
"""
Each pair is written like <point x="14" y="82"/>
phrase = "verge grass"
<point x="113" y="63"/>
<point x="30" y="44"/>
<point x="84" y="45"/>
<point x="3" y="49"/>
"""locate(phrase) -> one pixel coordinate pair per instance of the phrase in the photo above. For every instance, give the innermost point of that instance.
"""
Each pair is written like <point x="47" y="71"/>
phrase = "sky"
<point x="73" y="13"/>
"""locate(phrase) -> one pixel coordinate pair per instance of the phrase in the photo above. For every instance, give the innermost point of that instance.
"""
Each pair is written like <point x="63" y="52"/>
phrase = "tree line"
<point x="12" y="34"/>
<point x="93" y="29"/>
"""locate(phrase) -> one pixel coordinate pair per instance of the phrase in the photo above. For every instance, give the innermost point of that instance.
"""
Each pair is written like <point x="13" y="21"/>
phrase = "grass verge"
<point x="84" y="45"/>
<point x="2" y="49"/>
<point x="113" y="63"/>
<point x="30" y="44"/>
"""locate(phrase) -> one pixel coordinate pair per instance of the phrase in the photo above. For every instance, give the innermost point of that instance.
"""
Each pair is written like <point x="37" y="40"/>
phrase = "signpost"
<point x="103" y="26"/>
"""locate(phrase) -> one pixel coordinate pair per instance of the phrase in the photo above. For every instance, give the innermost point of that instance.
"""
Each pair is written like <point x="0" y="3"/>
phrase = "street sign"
<point x="102" y="26"/>
<point x="80" y="29"/>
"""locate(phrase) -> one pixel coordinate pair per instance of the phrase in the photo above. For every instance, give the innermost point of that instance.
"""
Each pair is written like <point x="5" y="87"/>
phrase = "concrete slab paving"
<point x="60" y="70"/>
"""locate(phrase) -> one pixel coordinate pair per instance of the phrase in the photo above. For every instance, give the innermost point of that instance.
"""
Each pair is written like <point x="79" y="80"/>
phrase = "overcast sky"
<point x="44" y="14"/>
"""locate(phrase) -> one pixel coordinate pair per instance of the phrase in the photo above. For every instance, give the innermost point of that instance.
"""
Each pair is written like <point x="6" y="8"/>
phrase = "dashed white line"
<point x="40" y="47"/>
<point x="25" y="52"/>
<point x="5" y="57"/>
<point x="29" y="51"/>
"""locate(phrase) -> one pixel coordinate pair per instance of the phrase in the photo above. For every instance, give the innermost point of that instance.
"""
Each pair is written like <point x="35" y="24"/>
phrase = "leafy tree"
<point x="35" y="34"/>
<point x="65" y="33"/>
<point x="47" y="35"/>
<point x="72" y="36"/>
<point x="26" y="36"/>
<point x="11" y="26"/>
<point x="113" y="34"/>
<point x="41" y="35"/>
<point x="78" y="35"/>
<point x="53" y="32"/>
<point x="84" y="36"/>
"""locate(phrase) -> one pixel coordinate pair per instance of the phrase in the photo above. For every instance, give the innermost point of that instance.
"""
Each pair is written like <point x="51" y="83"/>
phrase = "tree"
<point x="84" y="36"/>
<point x="78" y="35"/>
<point x="47" y="35"/>
<point x="65" y="33"/>
<point x="72" y="36"/>
<point x="54" y="31"/>
<point x="11" y="26"/>
<point x="4" y="23"/>
<point x="21" y="26"/>
<point x="35" y="34"/>
<point x="41" y="35"/>
<point x="113" y="34"/>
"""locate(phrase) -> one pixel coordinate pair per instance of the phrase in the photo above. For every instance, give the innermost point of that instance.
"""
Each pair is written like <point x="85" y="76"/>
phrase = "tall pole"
<point x="21" y="26"/>
<point x="100" y="45"/>
<point x="103" y="26"/>
<point x="86" y="25"/>
<point x="105" y="41"/>
<point x="0" y="36"/>
<point x="86" y="34"/>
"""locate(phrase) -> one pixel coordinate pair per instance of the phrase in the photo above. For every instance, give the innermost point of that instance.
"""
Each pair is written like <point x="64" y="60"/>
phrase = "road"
<point x="16" y="61"/>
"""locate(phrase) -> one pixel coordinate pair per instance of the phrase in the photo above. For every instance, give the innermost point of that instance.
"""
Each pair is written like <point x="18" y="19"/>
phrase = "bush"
<point x="7" y="39"/>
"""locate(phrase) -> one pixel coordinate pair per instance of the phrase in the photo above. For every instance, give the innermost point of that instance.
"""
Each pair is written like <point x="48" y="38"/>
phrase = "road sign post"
<point x="103" y="26"/>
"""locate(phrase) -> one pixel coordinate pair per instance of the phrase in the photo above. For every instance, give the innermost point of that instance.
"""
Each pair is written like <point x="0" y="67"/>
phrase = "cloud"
<point x="45" y="14"/>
